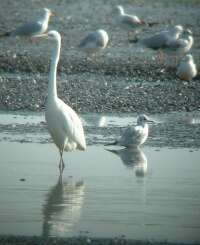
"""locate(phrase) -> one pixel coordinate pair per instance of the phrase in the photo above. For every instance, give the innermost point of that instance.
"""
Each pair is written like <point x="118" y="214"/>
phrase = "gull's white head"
<point x="188" y="32"/>
<point x="188" y="58"/>
<point x="177" y="29"/>
<point x="119" y="9"/>
<point x="48" y="12"/>
<point x="142" y="119"/>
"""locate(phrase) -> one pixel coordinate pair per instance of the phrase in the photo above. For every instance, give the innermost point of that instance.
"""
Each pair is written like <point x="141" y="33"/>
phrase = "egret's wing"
<point x="72" y="124"/>
<point x="28" y="29"/>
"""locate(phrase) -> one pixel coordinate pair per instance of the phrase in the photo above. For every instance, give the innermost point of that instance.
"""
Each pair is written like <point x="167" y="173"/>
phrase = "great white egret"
<point x="134" y="136"/>
<point x="187" y="68"/>
<point x="32" y="28"/>
<point x="94" y="42"/>
<point x="63" y="123"/>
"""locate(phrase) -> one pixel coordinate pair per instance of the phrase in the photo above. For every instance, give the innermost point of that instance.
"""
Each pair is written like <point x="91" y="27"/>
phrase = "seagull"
<point x="94" y="42"/>
<point x="63" y="123"/>
<point x="134" y="136"/>
<point x="180" y="46"/>
<point x="131" y="23"/>
<point x="187" y="68"/>
<point x="160" y="40"/>
<point x="32" y="28"/>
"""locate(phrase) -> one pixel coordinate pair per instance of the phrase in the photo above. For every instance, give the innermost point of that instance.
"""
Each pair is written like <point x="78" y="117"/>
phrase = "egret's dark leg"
<point x="61" y="163"/>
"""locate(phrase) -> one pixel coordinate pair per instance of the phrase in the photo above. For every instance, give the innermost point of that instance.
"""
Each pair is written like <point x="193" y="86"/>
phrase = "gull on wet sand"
<point x="32" y="28"/>
<point x="134" y="136"/>
<point x="63" y="123"/>
<point x="160" y="40"/>
<point x="130" y="23"/>
<point x="94" y="42"/>
<point x="187" y="68"/>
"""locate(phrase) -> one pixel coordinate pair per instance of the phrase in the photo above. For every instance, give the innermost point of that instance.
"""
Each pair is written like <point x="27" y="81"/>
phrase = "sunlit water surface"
<point x="152" y="193"/>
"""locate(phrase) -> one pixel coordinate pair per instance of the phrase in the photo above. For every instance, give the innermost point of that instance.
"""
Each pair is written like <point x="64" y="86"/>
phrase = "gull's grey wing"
<point x="28" y="29"/>
<point x="132" y="21"/>
<point x="90" y="38"/>
<point x="130" y="136"/>
<point x="176" y="44"/>
<point x="157" y="41"/>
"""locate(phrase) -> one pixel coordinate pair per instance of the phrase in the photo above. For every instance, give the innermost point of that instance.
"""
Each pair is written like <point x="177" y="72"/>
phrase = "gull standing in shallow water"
<point x="94" y="42"/>
<point x="131" y="23"/>
<point x="63" y="123"/>
<point x="32" y="28"/>
<point x="187" y="68"/>
<point x="134" y="136"/>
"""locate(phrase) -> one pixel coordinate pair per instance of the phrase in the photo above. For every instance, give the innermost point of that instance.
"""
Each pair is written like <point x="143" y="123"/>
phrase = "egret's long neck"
<point x="52" y="87"/>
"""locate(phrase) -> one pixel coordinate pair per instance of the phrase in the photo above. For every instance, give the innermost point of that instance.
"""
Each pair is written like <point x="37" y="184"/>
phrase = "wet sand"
<point x="124" y="78"/>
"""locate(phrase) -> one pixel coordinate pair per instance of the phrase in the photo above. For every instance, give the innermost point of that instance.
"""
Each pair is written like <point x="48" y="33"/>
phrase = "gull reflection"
<point x="62" y="208"/>
<point x="133" y="158"/>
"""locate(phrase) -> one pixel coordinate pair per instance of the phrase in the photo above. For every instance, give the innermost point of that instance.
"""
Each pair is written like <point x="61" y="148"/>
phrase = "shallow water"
<point x="147" y="194"/>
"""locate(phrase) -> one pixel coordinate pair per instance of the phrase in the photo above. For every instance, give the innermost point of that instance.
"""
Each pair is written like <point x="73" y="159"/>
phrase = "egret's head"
<point x="53" y="35"/>
<point x="142" y="118"/>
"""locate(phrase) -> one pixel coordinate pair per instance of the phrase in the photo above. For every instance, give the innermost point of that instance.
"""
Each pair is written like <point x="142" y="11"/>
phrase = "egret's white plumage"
<point x="130" y="23"/>
<point x="32" y="28"/>
<point x="134" y="136"/>
<point x="187" y="68"/>
<point x="63" y="123"/>
<point x="94" y="42"/>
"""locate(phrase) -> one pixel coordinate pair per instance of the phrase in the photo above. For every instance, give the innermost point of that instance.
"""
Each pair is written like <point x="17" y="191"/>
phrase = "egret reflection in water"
<point x="62" y="209"/>
<point x="133" y="158"/>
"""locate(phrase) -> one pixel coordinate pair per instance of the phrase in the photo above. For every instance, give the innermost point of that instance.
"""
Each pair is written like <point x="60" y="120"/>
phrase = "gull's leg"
<point x="160" y="57"/>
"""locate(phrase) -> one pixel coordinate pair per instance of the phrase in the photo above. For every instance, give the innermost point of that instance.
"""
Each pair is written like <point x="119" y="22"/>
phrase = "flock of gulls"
<point x="63" y="123"/>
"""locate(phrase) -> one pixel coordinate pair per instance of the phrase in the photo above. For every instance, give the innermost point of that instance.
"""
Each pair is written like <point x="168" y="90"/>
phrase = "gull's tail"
<point x="5" y="34"/>
<point x="153" y="23"/>
<point x="113" y="143"/>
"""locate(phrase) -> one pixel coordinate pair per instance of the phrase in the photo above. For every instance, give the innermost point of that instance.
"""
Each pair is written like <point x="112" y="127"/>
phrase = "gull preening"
<point x="94" y="42"/>
<point x="134" y="136"/>
<point x="63" y="123"/>
<point x="180" y="46"/>
<point x="130" y="23"/>
<point x="187" y="68"/>
<point x="32" y="28"/>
